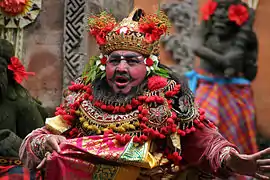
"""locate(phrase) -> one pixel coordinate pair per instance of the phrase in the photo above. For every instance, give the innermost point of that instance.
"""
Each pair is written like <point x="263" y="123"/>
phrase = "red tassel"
<point x="144" y="119"/>
<point x="140" y="108"/>
<point x="144" y="138"/>
<point x="188" y="131"/>
<point x="144" y="112"/>
<point x="136" y="139"/>
<point x="160" y="100"/>
<point x="72" y="112"/>
<point x="86" y="96"/>
<point x="128" y="107"/>
<point x="161" y="136"/>
<point x="116" y="109"/>
<point x="110" y="108"/>
<point x="103" y="107"/>
<point x="91" y="98"/>
<point x="170" y="121"/>
<point x="127" y="138"/>
<point x="142" y="98"/>
<point x="143" y="126"/>
<point x="181" y="133"/>
<point x="192" y="129"/>
<point x="118" y="137"/>
<point x="164" y="130"/>
<point x="122" y="109"/>
<point x="140" y="116"/>
<point x="173" y="129"/>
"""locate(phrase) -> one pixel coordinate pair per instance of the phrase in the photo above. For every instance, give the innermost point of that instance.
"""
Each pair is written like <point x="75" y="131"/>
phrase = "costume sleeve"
<point x="202" y="144"/>
<point x="205" y="148"/>
<point x="32" y="148"/>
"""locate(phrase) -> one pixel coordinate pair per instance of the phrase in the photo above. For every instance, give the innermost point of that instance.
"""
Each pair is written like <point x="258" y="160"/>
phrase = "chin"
<point x="124" y="91"/>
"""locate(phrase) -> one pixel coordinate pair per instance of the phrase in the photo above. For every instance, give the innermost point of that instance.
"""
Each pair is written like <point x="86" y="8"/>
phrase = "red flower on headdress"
<point x="100" y="26"/>
<point x="18" y="70"/>
<point x="149" y="62"/>
<point x="238" y="14"/>
<point x="152" y="31"/>
<point x="103" y="60"/>
<point x="208" y="9"/>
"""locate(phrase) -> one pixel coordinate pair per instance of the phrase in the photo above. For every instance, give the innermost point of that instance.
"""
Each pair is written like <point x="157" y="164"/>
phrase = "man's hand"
<point x="250" y="165"/>
<point x="51" y="144"/>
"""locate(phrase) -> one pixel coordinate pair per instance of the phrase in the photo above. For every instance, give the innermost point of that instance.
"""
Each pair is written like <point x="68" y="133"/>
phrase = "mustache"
<point x="122" y="74"/>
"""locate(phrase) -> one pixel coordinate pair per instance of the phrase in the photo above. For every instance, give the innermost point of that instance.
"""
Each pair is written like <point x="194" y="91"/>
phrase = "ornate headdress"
<point x="138" y="32"/>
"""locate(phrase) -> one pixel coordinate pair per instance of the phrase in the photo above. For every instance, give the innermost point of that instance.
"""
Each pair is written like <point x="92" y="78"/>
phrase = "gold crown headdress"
<point x="138" y="32"/>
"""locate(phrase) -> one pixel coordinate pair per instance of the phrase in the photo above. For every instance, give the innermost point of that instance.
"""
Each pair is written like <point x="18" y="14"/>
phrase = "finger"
<point x="49" y="148"/>
<point x="260" y="176"/>
<point x="264" y="168"/>
<point x="263" y="162"/>
<point x="42" y="164"/>
<point x="54" y="144"/>
<point x="261" y="153"/>
<point x="60" y="139"/>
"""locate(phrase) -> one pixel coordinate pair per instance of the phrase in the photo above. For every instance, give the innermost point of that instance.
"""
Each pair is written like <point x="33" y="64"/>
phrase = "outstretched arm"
<point x="206" y="148"/>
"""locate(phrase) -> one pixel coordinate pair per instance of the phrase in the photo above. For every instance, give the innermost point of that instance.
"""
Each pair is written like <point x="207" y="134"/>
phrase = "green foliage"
<point x="92" y="70"/>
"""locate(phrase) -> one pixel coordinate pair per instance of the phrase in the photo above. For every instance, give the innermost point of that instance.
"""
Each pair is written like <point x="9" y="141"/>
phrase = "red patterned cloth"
<point x="231" y="108"/>
<point x="14" y="172"/>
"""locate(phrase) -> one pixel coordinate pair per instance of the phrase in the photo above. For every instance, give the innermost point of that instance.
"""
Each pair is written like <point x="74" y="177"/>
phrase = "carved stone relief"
<point x="183" y="15"/>
<point x="76" y="41"/>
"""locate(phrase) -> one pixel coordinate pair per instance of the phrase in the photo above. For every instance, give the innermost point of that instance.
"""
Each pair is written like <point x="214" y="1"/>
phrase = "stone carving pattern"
<point x="184" y="17"/>
<point x="74" y="28"/>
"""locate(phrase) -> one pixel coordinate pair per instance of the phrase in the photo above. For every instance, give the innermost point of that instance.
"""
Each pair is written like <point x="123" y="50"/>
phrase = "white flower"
<point x="123" y="30"/>
<point x="102" y="67"/>
<point x="98" y="62"/>
<point x="154" y="58"/>
<point x="149" y="69"/>
<point x="100" y="56"/>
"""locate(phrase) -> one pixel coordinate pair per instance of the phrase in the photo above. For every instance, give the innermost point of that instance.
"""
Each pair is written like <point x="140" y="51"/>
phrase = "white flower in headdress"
<point x="102" y="61"/>
<point x="151" y="62"/>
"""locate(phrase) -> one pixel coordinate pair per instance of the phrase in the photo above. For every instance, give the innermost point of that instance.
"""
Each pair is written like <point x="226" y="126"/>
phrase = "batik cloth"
<point x="98" y="158"/>
<point x="14" y="172"/>
<point x="229" y="104"/>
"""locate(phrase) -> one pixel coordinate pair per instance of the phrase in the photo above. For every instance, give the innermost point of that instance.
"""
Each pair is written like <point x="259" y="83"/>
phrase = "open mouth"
<point x="121" y="81"/>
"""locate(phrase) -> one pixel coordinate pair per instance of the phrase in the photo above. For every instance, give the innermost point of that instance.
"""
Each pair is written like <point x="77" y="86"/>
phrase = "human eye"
<point x="114" y="61"/>
<point x="133" y="62"/>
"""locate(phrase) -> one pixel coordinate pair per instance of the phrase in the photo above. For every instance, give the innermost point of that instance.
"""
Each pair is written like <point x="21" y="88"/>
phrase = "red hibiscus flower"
<point x="152" y="31"/>
<point x="208" y="9"/>
<point x="238" y="14"/>
<point x="18" y="70"/>
<point x="103" y="60"/>
<point x="149" y="62"/>
<point x="100" y="34"/>
<point x="156" y="82"/>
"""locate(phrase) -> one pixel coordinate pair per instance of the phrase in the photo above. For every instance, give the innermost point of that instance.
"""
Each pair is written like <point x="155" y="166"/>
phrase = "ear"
<point x="138" y="14"/>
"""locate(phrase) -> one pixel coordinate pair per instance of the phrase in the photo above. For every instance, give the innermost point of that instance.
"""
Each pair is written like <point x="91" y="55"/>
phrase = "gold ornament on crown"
<point x="138" y="32"/>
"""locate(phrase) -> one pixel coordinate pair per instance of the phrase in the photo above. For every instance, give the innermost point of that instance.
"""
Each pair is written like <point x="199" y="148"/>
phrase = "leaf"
<point x="176" y="140"/>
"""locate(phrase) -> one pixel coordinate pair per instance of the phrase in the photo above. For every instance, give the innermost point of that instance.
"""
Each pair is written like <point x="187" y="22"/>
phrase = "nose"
<point x="122" y="67"/>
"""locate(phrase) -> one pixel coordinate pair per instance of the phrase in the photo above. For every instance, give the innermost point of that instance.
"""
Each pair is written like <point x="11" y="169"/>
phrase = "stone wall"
<point x="43" y="53"/>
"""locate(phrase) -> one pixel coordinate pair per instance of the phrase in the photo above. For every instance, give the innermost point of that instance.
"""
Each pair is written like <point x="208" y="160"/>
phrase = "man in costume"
<point x="129" y="117"/>
<point x="19" y="114"/>
<point x="228" y="49"/>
